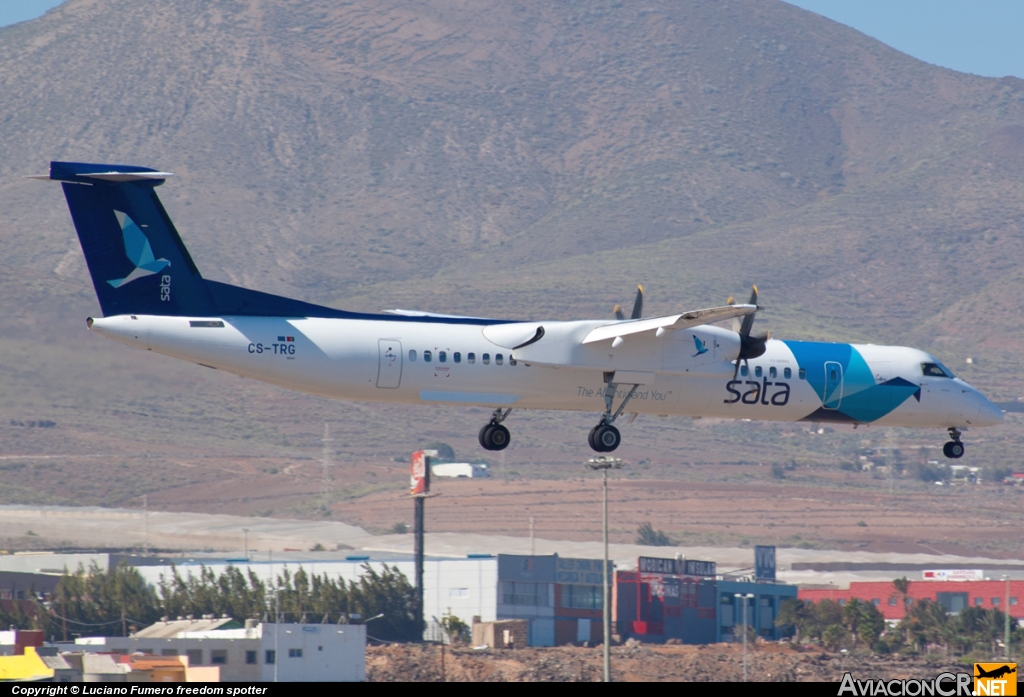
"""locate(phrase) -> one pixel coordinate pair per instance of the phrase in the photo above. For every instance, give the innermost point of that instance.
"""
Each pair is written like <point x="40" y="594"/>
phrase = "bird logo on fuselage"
<point x="701" y="348"/>
<point x="139" y="252"/>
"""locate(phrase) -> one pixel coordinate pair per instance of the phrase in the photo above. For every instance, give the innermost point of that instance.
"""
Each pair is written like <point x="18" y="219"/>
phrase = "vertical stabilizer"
<point x="137" y="261"/>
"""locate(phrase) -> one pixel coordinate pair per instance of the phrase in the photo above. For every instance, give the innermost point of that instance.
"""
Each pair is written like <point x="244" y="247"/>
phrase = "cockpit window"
<point x="936" y="370"/>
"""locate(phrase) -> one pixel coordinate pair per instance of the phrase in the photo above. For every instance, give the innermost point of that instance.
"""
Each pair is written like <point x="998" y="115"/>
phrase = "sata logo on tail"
<point x="140" y="253"/>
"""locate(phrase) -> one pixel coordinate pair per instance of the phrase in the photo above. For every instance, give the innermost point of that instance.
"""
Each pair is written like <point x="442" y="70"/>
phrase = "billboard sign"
<point x="695" y="567"/>
<point x="419" y="481"/>
<point x="764" y="563"/>
<point x="656" y="565"/>
<point x="581" y="571"/>
<point x="677" y="567"/>
<point x="954" y="575"/>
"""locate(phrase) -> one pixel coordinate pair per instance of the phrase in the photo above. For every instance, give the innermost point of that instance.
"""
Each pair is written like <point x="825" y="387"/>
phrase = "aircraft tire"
<point x="499" y="437"/>
<point x="485" y="437"/>
<point x="592" y="439"/>
<point x="608" y="437"/>
<point x="953" y="450"/>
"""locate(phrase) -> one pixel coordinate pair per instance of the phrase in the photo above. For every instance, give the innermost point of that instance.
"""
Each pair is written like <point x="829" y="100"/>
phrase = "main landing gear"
<point x="604" y="438"/>
<point x="494" y="436"/>
<point x="954" y="449"/>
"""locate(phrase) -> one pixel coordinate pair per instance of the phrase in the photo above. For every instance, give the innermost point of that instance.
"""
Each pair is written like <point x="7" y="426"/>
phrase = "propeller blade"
<point x="748" y="321"/>
<point x="734" y="323"/>
<point x="618" y="312"/>
<point x="638" y="304"/>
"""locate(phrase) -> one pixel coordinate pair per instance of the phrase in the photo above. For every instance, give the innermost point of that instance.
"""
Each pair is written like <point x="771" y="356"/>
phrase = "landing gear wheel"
<point x="484" y="436"/>
<point x="604" y="438"/>
<point x="494" y="437"/>
<point x="953" y="450"/>
<point x="499" y="437"/>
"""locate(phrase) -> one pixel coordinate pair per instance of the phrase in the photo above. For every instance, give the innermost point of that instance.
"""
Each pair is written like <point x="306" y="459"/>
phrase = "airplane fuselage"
<point x="404" y="361"/>
<point x="154" y="297"/>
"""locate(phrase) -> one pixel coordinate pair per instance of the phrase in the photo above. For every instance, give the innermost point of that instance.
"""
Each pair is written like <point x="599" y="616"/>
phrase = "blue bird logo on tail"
<point x="701" y="348"/>
<point x="139" y="252"/>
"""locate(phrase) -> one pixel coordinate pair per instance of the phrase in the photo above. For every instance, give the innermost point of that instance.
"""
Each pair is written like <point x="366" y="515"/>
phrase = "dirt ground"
<point x="713" y="663"/>
<point x="842" y="512"/>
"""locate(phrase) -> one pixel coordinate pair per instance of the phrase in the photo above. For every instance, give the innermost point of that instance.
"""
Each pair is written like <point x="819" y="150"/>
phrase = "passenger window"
<point x="787" y="373"/>
<point x="512" y="361"/>
<point x="803" y="373"/>
<point x="442" y="357"/>
<point x="498" y="359"/>
<point x="757" y="371"/>
<point x="457" y="357"/>
<point x="744" y="371"/>
<point x="471" y="358"/>
<point x="486" y="358"/>
<point x="772" y="372"/>
<point x="427" y="357"/>
<point x="412" y="355"/>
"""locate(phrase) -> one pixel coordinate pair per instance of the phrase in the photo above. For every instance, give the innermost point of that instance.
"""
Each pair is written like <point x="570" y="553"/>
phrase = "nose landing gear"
<point x="954" y="449"/>
<point x="604" y="438"/>
<point x="494" y="436"/>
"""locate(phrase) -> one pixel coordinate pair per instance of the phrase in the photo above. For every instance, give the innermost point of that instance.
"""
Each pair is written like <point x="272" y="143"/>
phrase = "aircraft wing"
<point x="417" y="313"/>
<point x="670" y="323"/>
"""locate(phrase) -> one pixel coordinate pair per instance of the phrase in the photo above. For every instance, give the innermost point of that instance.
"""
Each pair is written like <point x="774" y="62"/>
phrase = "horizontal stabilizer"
<point x="83" y="172"/>
<point x="670" y="323"/>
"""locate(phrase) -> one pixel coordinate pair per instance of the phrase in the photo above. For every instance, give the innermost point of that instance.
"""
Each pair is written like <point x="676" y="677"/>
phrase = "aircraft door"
<point x="833" y="385"/>
<point x="389" y="369"/>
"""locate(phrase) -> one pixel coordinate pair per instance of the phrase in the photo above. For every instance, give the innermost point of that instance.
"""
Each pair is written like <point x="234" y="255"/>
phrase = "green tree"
<point x="647" y="535"/>
<point x="96" y="603"/>
<point x="870" y="624"/>
<point x="825" y="614"/>
<point x="834" y="637"/>
<point x="457" y="630"/>
<point x="797" y="614"/>
<point x="851" y="616"/>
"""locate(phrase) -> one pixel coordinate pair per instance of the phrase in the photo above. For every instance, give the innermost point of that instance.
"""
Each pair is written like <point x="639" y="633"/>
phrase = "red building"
<point x="953" y="595"/>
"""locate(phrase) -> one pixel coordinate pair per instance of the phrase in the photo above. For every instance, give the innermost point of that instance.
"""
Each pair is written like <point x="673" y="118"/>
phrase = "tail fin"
<point x="137" y="261"/>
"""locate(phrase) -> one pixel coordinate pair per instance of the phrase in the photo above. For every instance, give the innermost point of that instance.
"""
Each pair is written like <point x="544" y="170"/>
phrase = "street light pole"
<point x="604" y="464"/>
<point x="743" y="599"/>
<point x="1006" y="615"/>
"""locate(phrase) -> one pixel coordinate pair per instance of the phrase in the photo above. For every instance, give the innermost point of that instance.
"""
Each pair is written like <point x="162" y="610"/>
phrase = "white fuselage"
<point x="417" y="362"/>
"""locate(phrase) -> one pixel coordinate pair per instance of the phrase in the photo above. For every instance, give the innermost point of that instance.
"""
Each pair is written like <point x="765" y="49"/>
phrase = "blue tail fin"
<point x="137" y="261"/>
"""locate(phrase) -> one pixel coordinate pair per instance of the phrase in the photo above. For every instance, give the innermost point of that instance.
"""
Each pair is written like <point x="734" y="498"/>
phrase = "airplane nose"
<point x="989" y="414"/>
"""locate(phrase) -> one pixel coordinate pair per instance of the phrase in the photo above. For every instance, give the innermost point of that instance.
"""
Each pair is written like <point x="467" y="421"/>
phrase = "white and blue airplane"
<point x="154" y="298"/>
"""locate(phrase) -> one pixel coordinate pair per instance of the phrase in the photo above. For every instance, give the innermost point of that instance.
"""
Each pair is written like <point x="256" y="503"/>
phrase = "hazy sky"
<point x="973" y="36"/>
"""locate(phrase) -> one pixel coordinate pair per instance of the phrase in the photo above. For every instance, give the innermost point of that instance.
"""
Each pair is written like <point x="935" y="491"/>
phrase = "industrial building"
<point x="954" y="596"/>
<point x="685" y="599"/>
<point x="560" y="597"/>
<point x="255" y="652"/>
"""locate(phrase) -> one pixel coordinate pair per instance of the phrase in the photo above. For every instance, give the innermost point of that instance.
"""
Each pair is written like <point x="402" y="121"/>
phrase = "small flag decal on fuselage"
<point x="286" y="338"/>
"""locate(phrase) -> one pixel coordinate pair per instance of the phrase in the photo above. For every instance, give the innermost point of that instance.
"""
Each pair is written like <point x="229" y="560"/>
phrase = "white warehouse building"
<point x="258" y="652"/>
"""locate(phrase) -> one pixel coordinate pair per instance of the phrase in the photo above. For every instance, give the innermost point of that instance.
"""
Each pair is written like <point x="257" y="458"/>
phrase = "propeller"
<point x="750" y="346"/>
<point x="638" y="306"/>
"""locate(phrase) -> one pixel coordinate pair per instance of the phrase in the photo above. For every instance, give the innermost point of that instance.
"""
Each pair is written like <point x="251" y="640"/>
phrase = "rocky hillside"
<point x="518" y="159"/>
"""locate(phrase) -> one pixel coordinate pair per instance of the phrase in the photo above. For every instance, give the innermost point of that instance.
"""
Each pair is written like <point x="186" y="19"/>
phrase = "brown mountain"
<point x="523" y="158"/>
